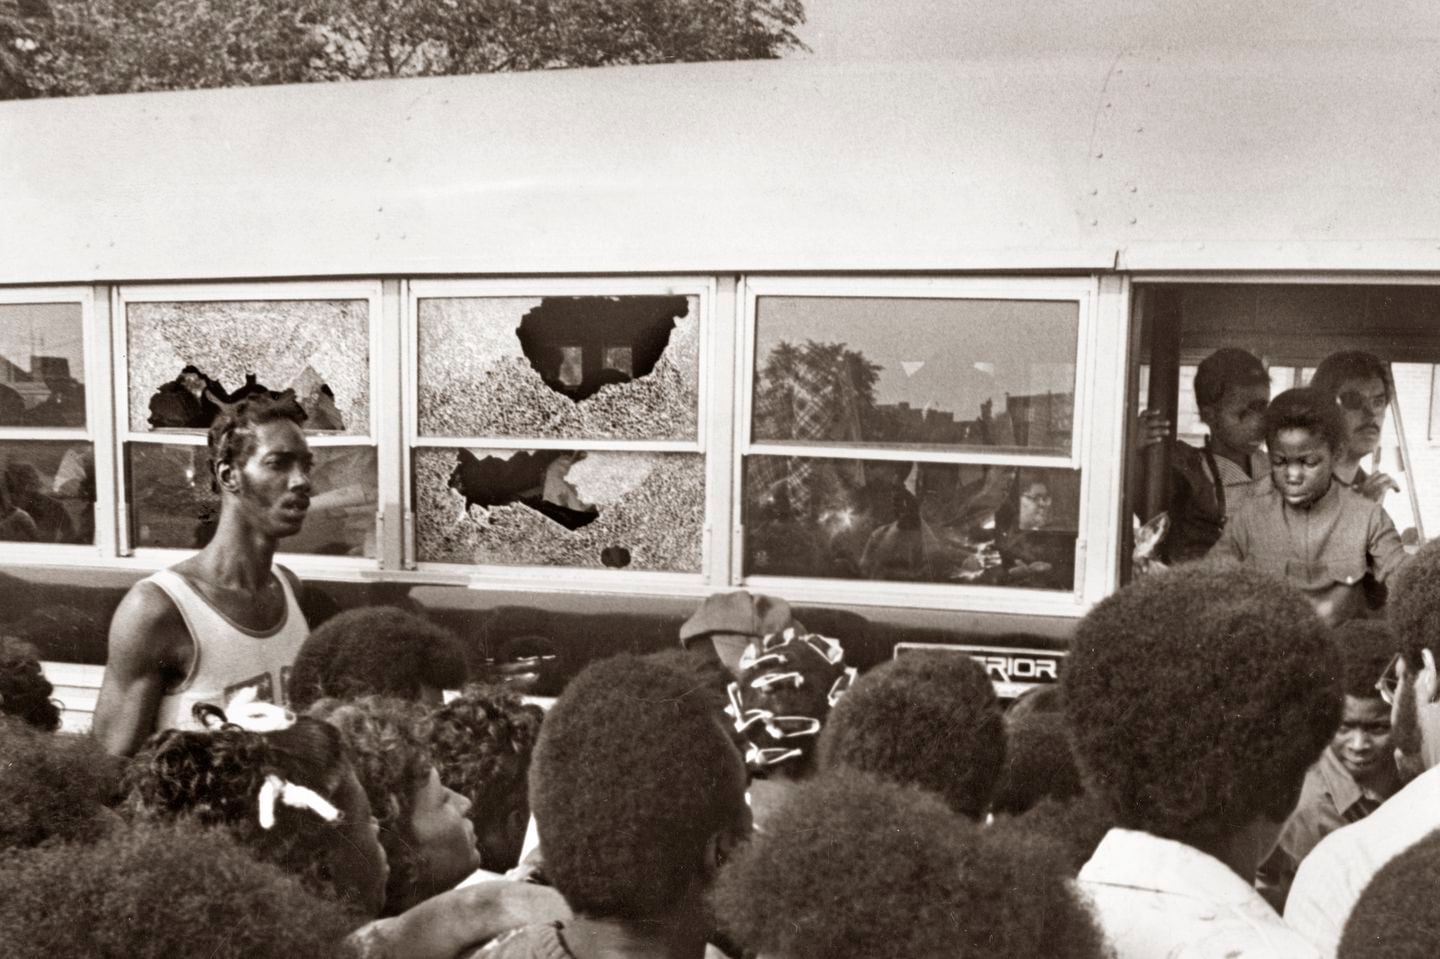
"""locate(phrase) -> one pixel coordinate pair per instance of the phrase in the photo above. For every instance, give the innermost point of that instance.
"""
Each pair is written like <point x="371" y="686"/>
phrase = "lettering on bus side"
<point x="1024" y="669"/>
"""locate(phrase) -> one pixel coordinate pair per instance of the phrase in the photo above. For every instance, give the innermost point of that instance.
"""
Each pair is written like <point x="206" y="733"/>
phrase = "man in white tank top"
<point x="227" y="618"/>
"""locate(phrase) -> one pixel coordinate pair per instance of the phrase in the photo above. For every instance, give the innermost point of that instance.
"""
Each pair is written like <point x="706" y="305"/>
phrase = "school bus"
<point x="582" y="347"/>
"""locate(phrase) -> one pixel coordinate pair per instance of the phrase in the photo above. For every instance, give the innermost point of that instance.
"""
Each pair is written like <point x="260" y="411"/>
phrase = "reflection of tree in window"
<point x="579" y="344"/>
<point x="534" y="479"/>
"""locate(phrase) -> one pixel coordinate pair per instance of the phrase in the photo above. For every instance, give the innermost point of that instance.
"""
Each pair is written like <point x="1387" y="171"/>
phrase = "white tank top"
<point x="228" y="657"/>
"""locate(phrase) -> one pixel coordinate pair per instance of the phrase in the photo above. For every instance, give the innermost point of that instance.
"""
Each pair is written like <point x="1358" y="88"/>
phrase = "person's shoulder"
<point x="540" y="941"/>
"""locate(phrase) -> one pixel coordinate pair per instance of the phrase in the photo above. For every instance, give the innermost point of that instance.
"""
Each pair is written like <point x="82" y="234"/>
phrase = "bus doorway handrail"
<point x="1404" y="448"/>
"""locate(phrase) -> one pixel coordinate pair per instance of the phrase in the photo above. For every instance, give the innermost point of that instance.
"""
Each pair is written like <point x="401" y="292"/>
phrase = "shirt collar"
<point x="1342" y="788"/>
<point x="1138" y="860"/>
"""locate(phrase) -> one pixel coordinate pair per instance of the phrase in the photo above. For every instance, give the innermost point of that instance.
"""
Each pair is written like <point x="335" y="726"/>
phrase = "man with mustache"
<point x="1360" y="383"/>
<point x="1332" y="877"/>
<point x="227" y="619"/>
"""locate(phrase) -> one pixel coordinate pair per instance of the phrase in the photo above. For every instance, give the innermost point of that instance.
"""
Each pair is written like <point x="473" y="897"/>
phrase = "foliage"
<point x="71" y="47"/>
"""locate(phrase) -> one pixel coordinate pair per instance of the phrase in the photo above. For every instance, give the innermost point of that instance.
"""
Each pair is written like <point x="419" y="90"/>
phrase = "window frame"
<point x="94" y="318"/>
<point x="381" y="409"/>
<point x="705" y="287"/>
<point x="1092" y="568"/>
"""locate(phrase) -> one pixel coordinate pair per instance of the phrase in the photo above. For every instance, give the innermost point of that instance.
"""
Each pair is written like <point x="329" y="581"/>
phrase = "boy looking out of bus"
<point x="1360" y="383"/>
<point x="1317" y="533"/>
<point x="1208" y="484"/>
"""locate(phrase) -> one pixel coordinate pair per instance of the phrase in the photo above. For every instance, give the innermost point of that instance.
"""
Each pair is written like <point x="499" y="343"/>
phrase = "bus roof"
<point x="1319" y="157"/>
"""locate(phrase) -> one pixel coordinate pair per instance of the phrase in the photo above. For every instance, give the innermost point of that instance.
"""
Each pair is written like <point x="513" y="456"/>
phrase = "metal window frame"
<point x="706" y="288"/>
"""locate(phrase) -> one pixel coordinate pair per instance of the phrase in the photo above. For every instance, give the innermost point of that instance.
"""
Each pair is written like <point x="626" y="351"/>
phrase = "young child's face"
<point x="1300" y="465"/>
<point x="1237" y="422"/>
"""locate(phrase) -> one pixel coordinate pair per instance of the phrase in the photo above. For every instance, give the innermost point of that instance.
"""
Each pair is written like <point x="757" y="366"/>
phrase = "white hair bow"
<point x="295" y="796"/>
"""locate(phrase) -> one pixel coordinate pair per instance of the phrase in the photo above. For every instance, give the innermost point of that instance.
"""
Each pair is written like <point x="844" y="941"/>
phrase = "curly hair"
<point x="1309" y="410"/>
<point x="160" y="890"/>
<point x="51" y="787"/>
<point x="213" y="778"/>
<point x="628" y="787"/>
<point x="929" y="720"/>
<point x="1223" y="369"/>
<point x="375" y="650"/>
<point x="1198" y="697"/>
<point x="1073" y="826"/>
<point x="1414" y="607"/>
<point x="482" y="742"/>
<point x="1398" y="914"/>
<point x="852" y="866"/>
<point x="1038" y="763"/>
<point x="24" y="690"/>
<point x="232" y="435"/>
<point x="388" y="741"/>
<point x="1366" y="646"/>
<point x="1337" y="368"/>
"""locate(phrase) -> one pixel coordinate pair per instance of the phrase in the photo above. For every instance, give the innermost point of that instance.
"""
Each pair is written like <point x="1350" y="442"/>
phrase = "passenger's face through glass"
<point x="1363" y="402"/>
<point x="1237" y="422"/>
<point x="1035" y="503"/>
<point x="1300" y="466"/>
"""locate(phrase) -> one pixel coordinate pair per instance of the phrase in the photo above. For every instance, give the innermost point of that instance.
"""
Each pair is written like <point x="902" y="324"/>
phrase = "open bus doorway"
<point x="1291" y="328"/>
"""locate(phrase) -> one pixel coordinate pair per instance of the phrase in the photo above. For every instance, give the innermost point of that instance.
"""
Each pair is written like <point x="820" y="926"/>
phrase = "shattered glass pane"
<point x="911" y="521"/>
<point x="189" y="360"/>
<point x="597" y="367"/>
<point x="42" y="364"/>
<point x="47" y="492"/>
<point x="915" y="373"/>
<point x="643" y="511"/>
<point x="173" y="505"/>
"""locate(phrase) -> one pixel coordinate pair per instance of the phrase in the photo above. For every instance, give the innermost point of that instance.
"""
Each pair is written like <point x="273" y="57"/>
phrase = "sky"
<point x="938" y="29"/>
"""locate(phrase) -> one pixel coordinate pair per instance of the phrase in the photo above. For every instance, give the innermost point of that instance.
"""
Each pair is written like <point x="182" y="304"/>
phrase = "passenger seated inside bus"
<point x="1206" y="485"/>
<point x="1311" y="529"/>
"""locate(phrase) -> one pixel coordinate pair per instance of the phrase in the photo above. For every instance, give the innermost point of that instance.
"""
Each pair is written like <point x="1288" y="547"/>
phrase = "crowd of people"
<point x="1236" y="761"/>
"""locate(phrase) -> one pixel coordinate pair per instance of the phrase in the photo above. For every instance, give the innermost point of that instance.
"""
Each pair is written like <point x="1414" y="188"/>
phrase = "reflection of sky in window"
<point x="40" y="329"/>
<point x="948" y="354"/>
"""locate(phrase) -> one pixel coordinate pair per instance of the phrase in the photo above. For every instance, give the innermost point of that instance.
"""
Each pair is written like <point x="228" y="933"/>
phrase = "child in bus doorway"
<point x="1320" y="535"/>
<point x="1207" y="485"/>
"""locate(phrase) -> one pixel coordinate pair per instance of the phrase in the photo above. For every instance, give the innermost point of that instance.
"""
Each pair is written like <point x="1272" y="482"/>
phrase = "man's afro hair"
<point x="853" y="867"/>
<point x="482" y="742"/>
<point x="1414" y="606"/>
<point x="1366" y="647"/>
<point x="928" y="720"/>
<point x="375" y="650"/>
<point x="157" y="891"/>
<point x="24" y="690"/>
<point x="1198" y="697"/>
<point x="1038" y="763"/>
<point x="628" y="784"/>
<point x="51" y="787"/>
<point x="1398" y="914"/>
<point x="1075" y="827"/>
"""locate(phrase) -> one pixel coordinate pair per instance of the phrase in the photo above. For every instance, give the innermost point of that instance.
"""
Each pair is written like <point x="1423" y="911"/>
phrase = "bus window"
<point x="1292" y="329"/>
<point x="913" y="439"/>
<point x="47" y="461"/>
<point x="558" y="430"/>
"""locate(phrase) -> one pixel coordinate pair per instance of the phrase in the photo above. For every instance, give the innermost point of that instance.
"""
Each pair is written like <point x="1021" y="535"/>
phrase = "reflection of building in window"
<point x="579" y="344"/>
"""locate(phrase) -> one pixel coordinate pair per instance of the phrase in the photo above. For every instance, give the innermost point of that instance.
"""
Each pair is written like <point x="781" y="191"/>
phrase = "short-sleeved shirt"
<point x="1326" y="547"/>
<point x="1157" y="898"/>
<point x="1332" y="877"/>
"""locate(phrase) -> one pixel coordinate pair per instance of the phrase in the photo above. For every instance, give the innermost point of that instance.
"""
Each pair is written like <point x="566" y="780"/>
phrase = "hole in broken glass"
<point x="580" y="343"/>
<point x="193" y="399"/>
<point x="534" y="479"/>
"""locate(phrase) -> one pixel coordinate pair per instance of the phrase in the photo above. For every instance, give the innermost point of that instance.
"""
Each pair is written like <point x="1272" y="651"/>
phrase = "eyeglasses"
<point x="1043" y="499"/>
<point x="1389" y="681"/>
<point x="1355" y="400"/>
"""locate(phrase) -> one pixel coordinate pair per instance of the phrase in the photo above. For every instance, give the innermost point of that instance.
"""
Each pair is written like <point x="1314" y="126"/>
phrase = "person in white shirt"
<point x="1332" y="877"/>
<point x="1398" y="915"/>
<point x="1197" y="698"/>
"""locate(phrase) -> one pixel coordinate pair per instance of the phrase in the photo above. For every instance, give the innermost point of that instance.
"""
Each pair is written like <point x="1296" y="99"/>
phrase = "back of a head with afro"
<point x="853" y="867"/>
<point x="1198" y="697"/>
<point x="1398" y="914"/>
<point x="1038" y="763"/>
<point x="482" y="742"/>
<point x="24" y="690"/>
<point x="630" y="782"/>
<point x="51" y="787"/>
<point x="1366" y="647"/>
<point x="151" y="891"/>
<point x="375" y="650"/>
<point x="928" y="720"/>
<point x="1414" y="607"/>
